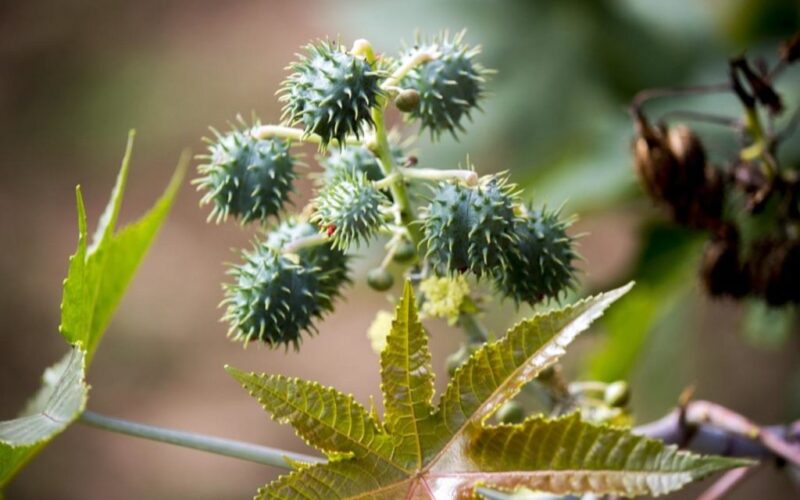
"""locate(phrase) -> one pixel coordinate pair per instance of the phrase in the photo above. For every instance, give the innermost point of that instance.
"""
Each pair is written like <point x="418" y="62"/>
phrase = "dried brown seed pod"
<point x="721" y="271"/>
<point x="655" y="164"/>
<point x="774" y="268"/>
<point x="790" y="50"/>
<point x="671" y="164"/>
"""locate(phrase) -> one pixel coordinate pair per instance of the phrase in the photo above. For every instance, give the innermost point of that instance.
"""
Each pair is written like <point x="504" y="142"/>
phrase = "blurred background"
<point x="76" y="75"/>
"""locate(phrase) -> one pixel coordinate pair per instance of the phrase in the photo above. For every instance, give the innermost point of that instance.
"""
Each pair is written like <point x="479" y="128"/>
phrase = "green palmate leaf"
<point x="566" y="455"/>
<point x="408" y="383"/>
<point x="447" y="452"/>
<point x="99" y="272"/>
<point x="58" y="403"/>
<point x="325" y="418"/>
<point x="496" y="372"/>
<point x="96" y="280"/>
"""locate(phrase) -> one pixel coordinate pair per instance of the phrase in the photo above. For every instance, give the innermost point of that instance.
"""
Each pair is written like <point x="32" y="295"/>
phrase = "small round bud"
<point x="407" y="100"/>
<point x="380" y="279"/>
<point x="405" y="252"/>
<point x="510" y="412"/>
<point x="362" y="48"/>
<point x="617" y="394"/>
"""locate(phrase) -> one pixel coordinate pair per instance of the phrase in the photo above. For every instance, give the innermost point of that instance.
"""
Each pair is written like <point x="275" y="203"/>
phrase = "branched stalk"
<point x="383" y="152"/>
<point x="220" y="446"/>
<point x="411" y="63"/>
<point x="305" y="242"/>
<point x="468" y="177"/>
<point x="294" y="134"/>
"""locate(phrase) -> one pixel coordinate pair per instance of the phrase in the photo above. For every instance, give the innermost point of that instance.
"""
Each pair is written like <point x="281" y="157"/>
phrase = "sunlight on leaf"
<point x="96" y="280"/>
<point x="57" y="404"/>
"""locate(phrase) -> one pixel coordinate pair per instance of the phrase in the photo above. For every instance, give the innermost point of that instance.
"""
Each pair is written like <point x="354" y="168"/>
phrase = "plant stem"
<point x="411" y="63"/>
<point x="294" y="134"/>
<point x="709" y="428"/>
<point x="220" y="446"/>
<point x="468" y="177"/>
<point x="305" y="242"/>
<point x="398" y="189"/>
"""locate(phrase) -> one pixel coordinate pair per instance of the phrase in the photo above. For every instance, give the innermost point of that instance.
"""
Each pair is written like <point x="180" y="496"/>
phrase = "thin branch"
<point x="412" y="62"/>
<point x="646" y="95"/>
<point x="220" y="446"/>
<point x="727" y="483"/>
<point x="468" y="177"/>
<point x="311" y="240"/>
<point x="294" y="134"/>
<point x="725" y="121"/>
<point x="709" y="428"/>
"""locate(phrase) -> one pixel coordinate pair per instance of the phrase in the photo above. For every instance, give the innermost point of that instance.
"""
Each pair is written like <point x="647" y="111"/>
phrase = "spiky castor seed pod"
<point x="332" y="262"/>
<point x="543" y="266"/>
<point x="350" y="209"/>
<point x="471" y="228"/>
<point x="274" y="298"/>
<point x="450" y="86"/>
<point x="351" y="160"/>
<point x="245" y="177"/>
<point x="331" y="92"/>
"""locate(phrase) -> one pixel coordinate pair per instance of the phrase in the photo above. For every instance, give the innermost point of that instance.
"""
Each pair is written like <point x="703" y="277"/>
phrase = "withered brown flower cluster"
<point x="750" y="203"/>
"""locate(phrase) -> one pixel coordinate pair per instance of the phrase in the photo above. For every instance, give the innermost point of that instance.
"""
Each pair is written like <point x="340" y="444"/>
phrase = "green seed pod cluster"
<point x="247" y="178"/>
<point x="276" y="296"/>
<point x="471" y="228"/>
<point x="331" y="92"/>
<point x="542" y="267"/>
<point x="450" y="87"/>
<point x="349" y="209"/>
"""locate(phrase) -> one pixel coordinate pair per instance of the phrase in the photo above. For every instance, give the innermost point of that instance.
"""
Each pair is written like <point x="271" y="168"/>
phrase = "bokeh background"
<point x="76" y="75"/>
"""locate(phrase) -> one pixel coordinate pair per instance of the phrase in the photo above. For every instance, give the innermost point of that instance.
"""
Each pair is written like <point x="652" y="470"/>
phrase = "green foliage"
<point x="471" y="228"/>
<point x="246" y="177"/>
<point x="449" y="88"/>
<point x="331" y="92"/>
<point x="662" y="278"/>
<point x="350" y="209"/>
<point x="97" y="277"/>
<point x="446" y="451"/>
<point x="55" y="406"/>
<point x="99" y="273"/>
